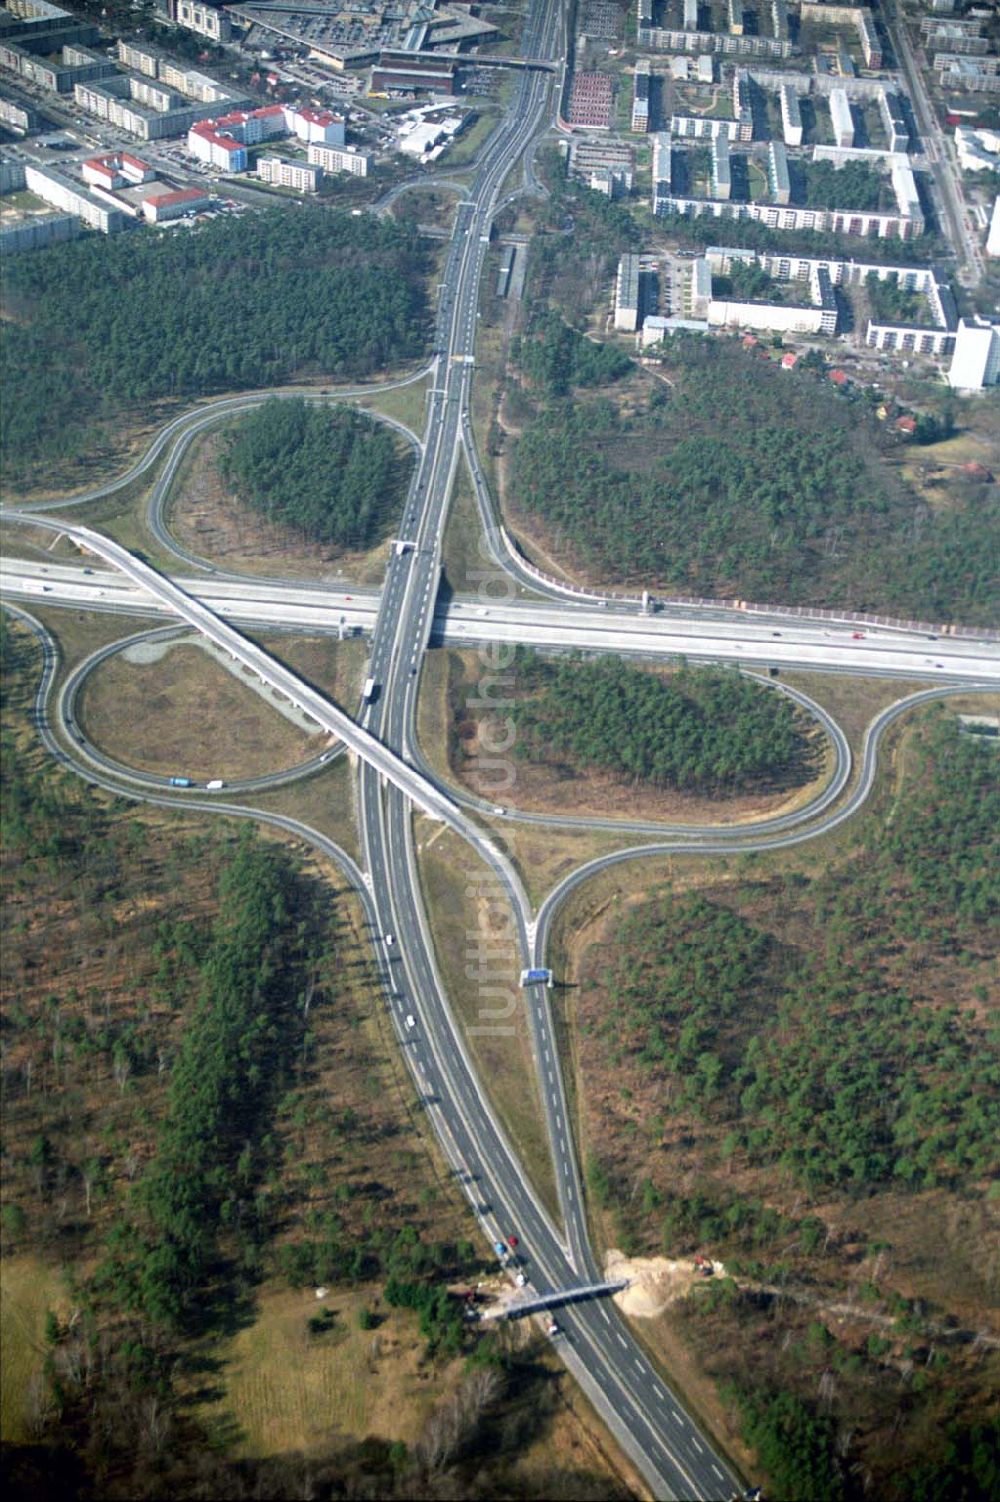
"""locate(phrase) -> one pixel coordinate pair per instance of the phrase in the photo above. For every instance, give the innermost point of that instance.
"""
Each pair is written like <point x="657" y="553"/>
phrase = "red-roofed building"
<point x="252" y="126"/>
<point x="839" y="377"/>
<point x="789" y="361"/>
<point x="115" y="170"/>
<point x="211" y="142"/>
<point x="162" y="206"/>
<point x="749" y="340"/>
<point x="907" y="425"/>
<point x="321" y="126"/>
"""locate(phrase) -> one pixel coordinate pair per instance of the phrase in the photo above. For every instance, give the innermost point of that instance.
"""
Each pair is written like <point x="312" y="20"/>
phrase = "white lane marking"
<point x="697" y="1446"/>
<point x="605" y="1317"/>
<point x="622" y="1341"/>
<point x="639" y="1365"/>
<point x="715" y="1468"/>
<point x="677" y="1417"/>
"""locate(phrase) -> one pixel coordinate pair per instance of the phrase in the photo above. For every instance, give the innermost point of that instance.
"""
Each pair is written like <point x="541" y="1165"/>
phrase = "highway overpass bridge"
<point x="557" y="1298"/>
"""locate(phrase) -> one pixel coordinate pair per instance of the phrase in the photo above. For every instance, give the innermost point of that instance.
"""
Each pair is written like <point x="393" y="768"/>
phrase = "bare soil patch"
<point x="654" y="1282"/>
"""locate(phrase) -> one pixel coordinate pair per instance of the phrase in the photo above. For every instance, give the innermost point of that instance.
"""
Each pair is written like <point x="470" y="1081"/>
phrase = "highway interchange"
<point x="648" y="1419"/>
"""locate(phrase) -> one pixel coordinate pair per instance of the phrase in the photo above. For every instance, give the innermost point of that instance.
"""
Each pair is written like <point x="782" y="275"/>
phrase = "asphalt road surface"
<point x="612" y="1367"/>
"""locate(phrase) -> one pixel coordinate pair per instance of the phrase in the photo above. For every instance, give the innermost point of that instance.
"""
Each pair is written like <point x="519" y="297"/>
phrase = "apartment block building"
<point x="280" y="172"/>
<point x="640" y="97"/>
<point x="742" y="113"/>
<point x="841" y="118"/>
<point x="777" y="173"/>
<point x="976" y="360"/>
<point x="896" y="129"/>
<point x="19" y="114"/>
<point x="76" y="64"/>
<point x="876" y="225"/>
<point x="627" y="284"/>
<point x="341" y="159"/>
<point x="662" y="173"/>
<point x="63" y="193"/>
<point x="791" y="115"/>
<point x="722" y="181"/>
<point x="206" y="20"/>
<point x="703" y="127"/>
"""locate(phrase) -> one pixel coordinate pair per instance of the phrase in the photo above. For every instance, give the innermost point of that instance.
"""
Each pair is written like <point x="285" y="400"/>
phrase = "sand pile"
<point x="654" y="1282"/>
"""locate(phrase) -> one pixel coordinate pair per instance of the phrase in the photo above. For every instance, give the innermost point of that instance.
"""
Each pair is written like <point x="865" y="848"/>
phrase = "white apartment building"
<point x="818" y="317"/>
<point x="770" y="317"/>
<point x="904" y="185"/>
<point x="341" y="159"/>
<point x="319" y="126"/>
<point x="702" y="127"/>
<point x="843" y="121"/>
<point x="690" y="15"/>
<point x="791" y="115"/>
<point x="217" y="147"/>
<point x="663" y="153"/>
<point x="976" y="361"/>
<point x="141" y="57"/>
<point x="116" y="170"/>
<point x="282" y="173"/>
<point x="792" y="216"/>
<point x="742" y="112"/>
<point x="894" y="121"/>
<point x="627" y="294"/>
<point x="777" y="173"/>
<point x="722" y="180"/>
<point x="640" y="97"/>
<point x="65" y="194"/>
<point x="204" y="19"/>
<point x="871" y="47"/>
<point x="700" y="286"/>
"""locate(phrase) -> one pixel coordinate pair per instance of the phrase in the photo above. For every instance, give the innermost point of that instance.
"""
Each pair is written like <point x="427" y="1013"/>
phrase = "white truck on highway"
<point x="369" y="691"/>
